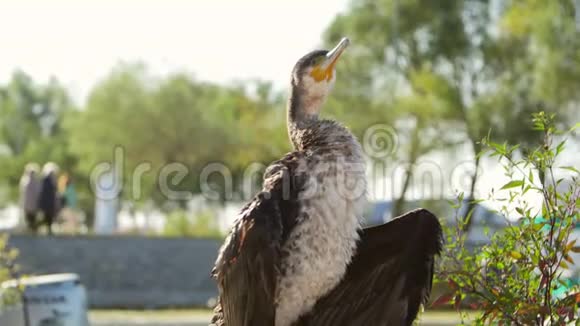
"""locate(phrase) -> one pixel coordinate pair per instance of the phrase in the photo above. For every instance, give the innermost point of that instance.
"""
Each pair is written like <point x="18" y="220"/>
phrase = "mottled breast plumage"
<point x="331" y="202"/>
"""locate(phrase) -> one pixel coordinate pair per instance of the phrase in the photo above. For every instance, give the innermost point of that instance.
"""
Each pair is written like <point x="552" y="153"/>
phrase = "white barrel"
<point x="52" y="300"/>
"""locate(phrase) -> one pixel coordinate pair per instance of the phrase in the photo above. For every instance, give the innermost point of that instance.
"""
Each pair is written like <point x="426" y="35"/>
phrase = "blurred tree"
<point x="29" y="111"/>
<point x="456" y="69"/>
<point x="175" y="120"/>
<point x="549" y="68"/>
<point x="31" y="127"/>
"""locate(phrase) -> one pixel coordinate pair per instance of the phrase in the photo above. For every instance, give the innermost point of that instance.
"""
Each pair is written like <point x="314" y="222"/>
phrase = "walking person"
<point x="49" y="201"/>
<point x="29" y="193"/>
<point x="69" y="214"/>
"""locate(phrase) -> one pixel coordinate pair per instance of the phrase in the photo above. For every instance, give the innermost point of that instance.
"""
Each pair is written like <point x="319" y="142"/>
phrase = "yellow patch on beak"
<point x="324" y="70"/>
<point x="319" y="74"/>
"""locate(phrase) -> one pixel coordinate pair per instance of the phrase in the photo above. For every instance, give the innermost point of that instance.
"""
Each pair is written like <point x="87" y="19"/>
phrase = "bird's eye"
<point x="318" y="60"/>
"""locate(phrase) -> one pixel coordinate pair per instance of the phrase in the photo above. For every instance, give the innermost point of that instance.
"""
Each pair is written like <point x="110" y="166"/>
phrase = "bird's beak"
<point x="326" y="68"/>
<point x="335" y="53"/>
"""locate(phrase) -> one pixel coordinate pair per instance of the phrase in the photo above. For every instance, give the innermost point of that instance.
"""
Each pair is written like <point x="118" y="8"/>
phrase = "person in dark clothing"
<point x="48" y="200"/>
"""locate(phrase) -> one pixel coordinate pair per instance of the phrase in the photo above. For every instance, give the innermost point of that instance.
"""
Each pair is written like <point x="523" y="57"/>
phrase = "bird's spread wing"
<point x="248" y="264"/>
<point x="389" y="277"/>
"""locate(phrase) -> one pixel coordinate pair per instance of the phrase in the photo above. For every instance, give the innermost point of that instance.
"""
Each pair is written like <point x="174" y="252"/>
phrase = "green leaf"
<point x="515" y="255"/>
<point x="570" y="168"/>
<point x="512" y="184"/>
<point x="537" y="227"/>
<point x="560" y="147"/>
<point x="526" y="189"/>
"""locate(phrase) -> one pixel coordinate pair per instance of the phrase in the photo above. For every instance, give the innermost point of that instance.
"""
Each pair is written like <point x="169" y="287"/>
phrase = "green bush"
<point x="202" y="225"/>
<point x="518" y="278"/>
<point x="8" y="270"/>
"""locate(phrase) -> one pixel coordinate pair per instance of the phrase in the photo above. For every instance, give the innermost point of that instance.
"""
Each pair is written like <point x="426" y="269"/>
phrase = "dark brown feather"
<point x="389" y="277"/>
<point x="248" y="266"/>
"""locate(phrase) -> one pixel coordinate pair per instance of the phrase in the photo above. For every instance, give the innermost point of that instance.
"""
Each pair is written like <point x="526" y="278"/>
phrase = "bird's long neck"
<point x="302" y="110"/>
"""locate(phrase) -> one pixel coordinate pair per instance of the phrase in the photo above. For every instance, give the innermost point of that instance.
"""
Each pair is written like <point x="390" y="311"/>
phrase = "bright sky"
<point x="78" y="41"/>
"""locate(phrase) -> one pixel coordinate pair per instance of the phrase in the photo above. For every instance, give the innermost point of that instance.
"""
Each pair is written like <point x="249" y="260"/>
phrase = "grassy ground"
<point x="201" y="317"/>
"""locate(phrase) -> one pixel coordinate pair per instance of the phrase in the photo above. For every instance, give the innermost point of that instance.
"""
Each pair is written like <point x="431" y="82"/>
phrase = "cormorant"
<point x="297" y="255"/>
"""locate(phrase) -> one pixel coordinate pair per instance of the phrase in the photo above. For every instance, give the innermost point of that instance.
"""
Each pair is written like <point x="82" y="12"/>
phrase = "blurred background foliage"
<point x="443" y="73"/>
<point x="202" y="225"/>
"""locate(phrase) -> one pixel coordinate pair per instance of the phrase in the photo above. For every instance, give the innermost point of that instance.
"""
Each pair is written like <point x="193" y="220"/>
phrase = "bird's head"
<point x="312" y="79"/>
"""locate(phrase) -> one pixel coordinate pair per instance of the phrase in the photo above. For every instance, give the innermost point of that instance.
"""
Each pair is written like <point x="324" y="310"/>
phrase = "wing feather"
<point x="248" y="265"/>
<point x="389" y="277"/>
